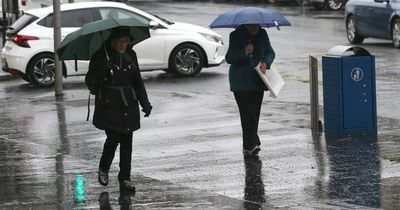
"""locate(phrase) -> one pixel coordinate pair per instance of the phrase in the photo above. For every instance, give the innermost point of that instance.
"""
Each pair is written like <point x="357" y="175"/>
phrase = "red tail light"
<point x="23" y="2"/>
<point x="22" y="40"/>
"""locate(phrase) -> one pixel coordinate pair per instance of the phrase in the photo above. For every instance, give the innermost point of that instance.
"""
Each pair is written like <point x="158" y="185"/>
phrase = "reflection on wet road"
<point x="254" y="191"/>
<point x="355" y="170"/>
<point x="187" y="155"/>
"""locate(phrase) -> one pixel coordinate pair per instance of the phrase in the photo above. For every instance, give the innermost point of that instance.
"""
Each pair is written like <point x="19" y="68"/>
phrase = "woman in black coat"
<point x="115" y="79"/>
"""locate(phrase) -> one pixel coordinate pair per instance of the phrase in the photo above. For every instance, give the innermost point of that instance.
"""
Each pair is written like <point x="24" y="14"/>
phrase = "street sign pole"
<point x="57" y="40"/>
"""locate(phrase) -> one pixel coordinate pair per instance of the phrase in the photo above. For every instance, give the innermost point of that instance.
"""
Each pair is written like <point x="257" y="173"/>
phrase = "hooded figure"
<point x="114" y="78"/>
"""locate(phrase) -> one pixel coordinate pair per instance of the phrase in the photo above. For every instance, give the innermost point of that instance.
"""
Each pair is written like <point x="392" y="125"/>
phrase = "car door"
<point x="150" y="52"/>
<point x="381" y="11"/>
<point x="363" y="16"/>
<point x="72" y="20"/>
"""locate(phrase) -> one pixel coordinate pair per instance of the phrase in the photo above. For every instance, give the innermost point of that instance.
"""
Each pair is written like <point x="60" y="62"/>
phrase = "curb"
<point x="6" y="77"/>
<point x="329" y="17"/>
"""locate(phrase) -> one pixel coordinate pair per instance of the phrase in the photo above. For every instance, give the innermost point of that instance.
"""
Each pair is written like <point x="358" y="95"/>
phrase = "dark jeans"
<point x="249" y="104"/>
<point x="125" y="153"/>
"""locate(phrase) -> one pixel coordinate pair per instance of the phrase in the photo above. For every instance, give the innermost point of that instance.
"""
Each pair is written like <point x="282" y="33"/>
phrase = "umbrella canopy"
<point x="83" y="43"/>
<point x="250" y="15"/>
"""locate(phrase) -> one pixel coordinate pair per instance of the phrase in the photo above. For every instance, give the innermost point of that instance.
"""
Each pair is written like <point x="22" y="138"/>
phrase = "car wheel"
<point x="396" y="33"/>
<point x="41" y="70"/>
<point x="301" y="2"/>
<point x="352" y="34"/>
<point x="335" y="4"/>
<point x="186" y="59"/>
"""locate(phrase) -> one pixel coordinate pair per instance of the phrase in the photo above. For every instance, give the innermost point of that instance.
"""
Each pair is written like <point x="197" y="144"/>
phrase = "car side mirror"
<point x="154" y="25"/>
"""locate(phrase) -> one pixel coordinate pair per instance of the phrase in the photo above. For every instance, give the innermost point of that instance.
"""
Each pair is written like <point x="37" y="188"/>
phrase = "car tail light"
<point x="22" y="40"/>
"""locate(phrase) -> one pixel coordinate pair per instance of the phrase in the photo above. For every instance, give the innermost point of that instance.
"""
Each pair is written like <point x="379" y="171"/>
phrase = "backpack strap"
<point x="88" y="107"/>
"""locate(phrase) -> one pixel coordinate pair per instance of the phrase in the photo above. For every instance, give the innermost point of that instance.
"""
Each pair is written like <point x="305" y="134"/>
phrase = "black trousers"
<point x="249" y="104"/>
<point x="124" y="139"/>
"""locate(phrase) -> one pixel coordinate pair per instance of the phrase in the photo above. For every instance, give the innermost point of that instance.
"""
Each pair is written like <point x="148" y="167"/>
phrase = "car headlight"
<point x="212" y="38"/>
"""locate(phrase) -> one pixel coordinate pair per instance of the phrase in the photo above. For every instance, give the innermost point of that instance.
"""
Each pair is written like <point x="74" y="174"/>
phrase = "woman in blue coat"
<point x="249" y="46"/>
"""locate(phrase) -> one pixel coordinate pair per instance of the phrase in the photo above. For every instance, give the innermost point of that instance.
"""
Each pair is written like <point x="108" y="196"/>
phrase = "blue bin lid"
<point x="347" y="51"/>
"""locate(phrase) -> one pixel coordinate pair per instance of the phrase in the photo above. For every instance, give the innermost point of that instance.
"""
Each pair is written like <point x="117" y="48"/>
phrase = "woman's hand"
<point x="249" y="49"/>
<point x="263" y="67"/>
<point x="147" y="110"/>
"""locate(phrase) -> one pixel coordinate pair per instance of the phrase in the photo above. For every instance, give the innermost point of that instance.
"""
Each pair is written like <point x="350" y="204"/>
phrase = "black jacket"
<point x="118" y="87"/>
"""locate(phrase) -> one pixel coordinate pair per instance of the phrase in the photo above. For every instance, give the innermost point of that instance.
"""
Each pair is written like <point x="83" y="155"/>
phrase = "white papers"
<point x="272" y="79"/>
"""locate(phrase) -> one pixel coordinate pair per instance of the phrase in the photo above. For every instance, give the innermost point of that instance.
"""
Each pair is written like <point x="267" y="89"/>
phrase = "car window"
<point x="21" y="23"/>
<point x="163" y="19"/>
<point x="107" y="13"/>
<point x="71" y="18"/>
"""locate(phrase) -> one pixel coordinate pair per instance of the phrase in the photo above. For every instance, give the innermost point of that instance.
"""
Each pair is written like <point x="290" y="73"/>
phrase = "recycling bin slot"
<point x="349" y="95"/>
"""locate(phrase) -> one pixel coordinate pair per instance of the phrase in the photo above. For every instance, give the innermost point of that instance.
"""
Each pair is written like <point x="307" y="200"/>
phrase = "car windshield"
<point x="164" y="20"/>
<point x="21" y="23"/>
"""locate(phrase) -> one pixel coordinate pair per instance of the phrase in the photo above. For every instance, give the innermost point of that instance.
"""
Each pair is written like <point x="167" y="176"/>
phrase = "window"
<point x="71" y="18"/>
<point x="107" y="13"/>
<point x="21" y="23"/>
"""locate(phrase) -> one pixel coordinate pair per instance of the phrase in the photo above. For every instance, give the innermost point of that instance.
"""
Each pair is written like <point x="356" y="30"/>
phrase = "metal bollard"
<point x="316" y="125"/>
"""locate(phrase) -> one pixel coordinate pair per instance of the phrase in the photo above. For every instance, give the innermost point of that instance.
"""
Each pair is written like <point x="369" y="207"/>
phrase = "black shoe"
<point x="252" y="152"/>
<point x="127" y="185"/>
<point x="103" y="177"/>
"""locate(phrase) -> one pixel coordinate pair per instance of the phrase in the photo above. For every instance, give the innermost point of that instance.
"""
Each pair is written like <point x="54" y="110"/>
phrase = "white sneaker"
<point x="256" y="149"/>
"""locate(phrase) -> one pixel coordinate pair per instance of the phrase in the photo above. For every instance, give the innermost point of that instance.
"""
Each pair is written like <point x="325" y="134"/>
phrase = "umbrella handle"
<point x="277" y="25"/>
<point x="88" y="107"/>
<point x="76" y="63"/>
<point x="105" y="50"/>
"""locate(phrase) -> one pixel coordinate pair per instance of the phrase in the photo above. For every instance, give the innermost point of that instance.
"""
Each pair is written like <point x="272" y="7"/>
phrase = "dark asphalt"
<point x="188" y="153"/>
<point x="187" y="156"/>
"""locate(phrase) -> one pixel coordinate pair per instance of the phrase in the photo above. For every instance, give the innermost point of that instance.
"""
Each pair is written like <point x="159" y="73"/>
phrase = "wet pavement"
<point x="187" y="155"/>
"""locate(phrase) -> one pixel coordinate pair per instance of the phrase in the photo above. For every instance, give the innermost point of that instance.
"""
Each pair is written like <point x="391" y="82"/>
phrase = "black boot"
<point x="103" y="177"/>
<point x="127" y="185"/>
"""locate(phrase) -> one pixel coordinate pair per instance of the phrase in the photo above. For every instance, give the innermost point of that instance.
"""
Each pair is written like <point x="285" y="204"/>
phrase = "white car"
<point x="176" y="47"/>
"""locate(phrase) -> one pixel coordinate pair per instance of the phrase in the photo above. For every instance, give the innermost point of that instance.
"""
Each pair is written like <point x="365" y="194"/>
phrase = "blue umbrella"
<point x="250" y="15"/>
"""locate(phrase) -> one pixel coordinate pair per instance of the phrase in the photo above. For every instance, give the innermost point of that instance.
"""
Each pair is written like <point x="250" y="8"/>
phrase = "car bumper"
<point x="5" y="68"/>
<point x="14" y="58"/>
<point x="317" y="1"/>
<point x="215" y="57"/>
<point x="216" y="62"/>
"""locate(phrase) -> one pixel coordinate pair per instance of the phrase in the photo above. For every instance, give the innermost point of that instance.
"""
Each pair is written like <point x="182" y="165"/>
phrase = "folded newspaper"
<point x="272" y="79"/>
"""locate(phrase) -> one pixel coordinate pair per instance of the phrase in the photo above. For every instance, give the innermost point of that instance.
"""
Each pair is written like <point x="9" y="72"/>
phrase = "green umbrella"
<point x="83" y="43"/>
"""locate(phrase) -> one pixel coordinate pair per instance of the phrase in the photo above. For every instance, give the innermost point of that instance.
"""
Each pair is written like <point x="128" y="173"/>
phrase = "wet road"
<point x="187" y="154"/>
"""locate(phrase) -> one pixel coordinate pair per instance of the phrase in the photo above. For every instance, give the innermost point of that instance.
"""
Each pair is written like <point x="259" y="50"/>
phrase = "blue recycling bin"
<point x="349" y="92"/>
